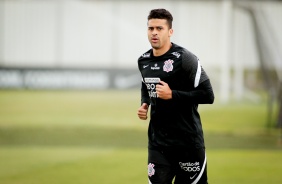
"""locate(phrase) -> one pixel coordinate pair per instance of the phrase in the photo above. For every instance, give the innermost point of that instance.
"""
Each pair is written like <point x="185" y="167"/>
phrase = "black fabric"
<point x="203" y="94"/>
<point x="175" y="123"/>
<point x="183" y="166"/>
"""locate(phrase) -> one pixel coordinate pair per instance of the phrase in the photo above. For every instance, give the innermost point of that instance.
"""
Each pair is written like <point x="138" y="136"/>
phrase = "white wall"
<point x="80" y="33"/>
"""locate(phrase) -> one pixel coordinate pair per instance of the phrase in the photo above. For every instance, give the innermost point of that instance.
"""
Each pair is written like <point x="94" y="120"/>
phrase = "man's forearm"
<point x="203" y="94"/>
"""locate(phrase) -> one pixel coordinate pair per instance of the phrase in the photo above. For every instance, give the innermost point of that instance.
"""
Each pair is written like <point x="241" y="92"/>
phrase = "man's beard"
<point x="155" y="46"/>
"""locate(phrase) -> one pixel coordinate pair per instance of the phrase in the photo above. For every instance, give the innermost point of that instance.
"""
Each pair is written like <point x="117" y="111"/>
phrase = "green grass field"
<point x="81" y="137"/>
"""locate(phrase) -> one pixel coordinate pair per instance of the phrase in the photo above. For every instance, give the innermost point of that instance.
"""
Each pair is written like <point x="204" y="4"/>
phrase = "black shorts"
<point x="184" y="167"/>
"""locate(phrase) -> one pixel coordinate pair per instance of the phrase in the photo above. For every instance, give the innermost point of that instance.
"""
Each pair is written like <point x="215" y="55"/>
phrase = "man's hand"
<point x="142" y="111"/>
<point x="163" y="91"/>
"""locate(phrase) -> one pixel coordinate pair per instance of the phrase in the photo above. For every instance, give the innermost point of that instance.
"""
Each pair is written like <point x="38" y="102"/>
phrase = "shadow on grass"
<point x="120" y="138"/>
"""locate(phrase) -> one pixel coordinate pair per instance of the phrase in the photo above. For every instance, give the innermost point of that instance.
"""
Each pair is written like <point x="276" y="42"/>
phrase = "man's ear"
<point x="170" y="32"/>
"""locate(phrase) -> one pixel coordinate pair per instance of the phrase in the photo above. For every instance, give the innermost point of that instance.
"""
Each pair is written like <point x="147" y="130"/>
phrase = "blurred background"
<point x="70" y="87"/>
<point x="95" y="44"/>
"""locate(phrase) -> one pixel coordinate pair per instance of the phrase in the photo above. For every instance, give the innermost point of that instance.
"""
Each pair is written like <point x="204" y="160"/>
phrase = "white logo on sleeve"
<point x="176" y="54"/>
<point x="146" y="55"/>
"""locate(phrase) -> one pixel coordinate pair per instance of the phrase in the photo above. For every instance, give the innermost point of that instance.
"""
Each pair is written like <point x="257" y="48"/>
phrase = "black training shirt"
<point x="175" y="123"/>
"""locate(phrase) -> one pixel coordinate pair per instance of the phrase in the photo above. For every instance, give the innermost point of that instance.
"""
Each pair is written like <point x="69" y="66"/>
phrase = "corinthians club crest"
<point x="168" y="67"/>
<point x="151" y="170"/>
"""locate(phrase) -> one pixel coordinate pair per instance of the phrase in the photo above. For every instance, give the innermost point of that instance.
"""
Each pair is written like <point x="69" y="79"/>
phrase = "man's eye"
<point x="159" y="28"/>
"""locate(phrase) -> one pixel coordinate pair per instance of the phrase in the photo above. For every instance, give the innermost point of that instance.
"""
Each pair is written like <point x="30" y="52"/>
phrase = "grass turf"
<point x="95" y="137"/>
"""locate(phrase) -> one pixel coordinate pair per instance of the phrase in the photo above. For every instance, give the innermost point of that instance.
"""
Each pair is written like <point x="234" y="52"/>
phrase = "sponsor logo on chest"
<point x="167" y="67"/>
<point x="155" y="67"/>
<point x="151" y="86"/>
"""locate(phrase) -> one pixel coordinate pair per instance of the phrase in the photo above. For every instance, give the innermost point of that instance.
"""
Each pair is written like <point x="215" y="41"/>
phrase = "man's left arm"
<point x="202" y="94"/>
<point x="201" y="89"/>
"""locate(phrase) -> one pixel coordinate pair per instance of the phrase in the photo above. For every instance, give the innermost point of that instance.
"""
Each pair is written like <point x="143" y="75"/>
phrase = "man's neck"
<point x="159" y="52"/>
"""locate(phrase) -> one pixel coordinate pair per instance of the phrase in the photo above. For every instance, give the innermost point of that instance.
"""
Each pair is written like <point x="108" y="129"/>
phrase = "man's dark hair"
<point x="161" y="14"/>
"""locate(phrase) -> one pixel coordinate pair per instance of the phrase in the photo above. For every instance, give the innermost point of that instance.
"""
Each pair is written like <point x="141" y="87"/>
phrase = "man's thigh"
<point x="187" y="167"/>
<point x="192" y="167"/>
<point x="160" y="170"/>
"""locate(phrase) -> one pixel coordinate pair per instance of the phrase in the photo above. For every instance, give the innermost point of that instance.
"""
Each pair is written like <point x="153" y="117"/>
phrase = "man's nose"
<point x="154" y="32"/>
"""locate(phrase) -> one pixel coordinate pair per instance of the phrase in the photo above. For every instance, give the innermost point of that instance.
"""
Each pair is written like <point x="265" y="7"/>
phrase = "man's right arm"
<point x="145" y="102"/>
<point x="144" y="94"/>
<point x="142" y="111"/>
